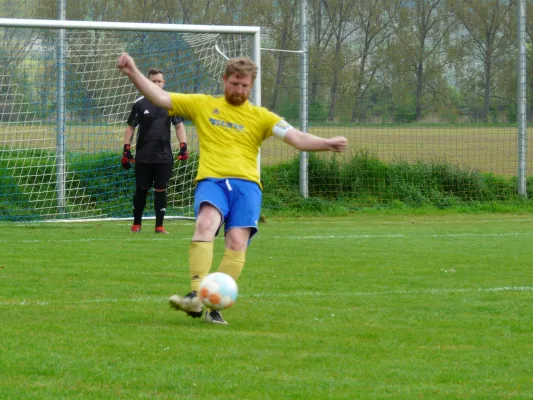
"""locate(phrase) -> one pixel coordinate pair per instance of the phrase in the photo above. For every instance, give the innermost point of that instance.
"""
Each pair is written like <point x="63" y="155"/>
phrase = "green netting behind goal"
<point x="77" y="174"/>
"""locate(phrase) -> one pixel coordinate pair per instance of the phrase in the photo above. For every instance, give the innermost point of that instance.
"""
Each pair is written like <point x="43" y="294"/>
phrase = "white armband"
<point x="281" y="128"/>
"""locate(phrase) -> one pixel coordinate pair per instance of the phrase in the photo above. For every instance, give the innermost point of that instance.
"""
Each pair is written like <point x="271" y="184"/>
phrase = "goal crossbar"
<point x="126" y="26"/>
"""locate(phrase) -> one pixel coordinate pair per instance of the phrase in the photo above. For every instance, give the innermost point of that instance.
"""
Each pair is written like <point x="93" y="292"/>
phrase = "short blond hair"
<point x="241" y="66"/>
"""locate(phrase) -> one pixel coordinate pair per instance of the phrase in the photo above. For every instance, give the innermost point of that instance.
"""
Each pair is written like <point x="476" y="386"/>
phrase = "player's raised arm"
<point x="153" y="93"/>
<point x="307" y="142"/>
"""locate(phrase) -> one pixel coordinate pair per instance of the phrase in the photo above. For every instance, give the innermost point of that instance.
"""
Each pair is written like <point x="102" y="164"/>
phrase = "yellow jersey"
<point x="229" y="136"/>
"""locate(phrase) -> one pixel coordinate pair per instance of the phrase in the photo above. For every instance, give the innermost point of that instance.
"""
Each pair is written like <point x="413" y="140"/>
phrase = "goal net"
<point x="64" y="105"/>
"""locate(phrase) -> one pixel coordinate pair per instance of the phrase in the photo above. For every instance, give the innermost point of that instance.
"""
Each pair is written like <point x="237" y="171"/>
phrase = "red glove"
<point x="183" y="154"/>
<point x="127" y="158"/>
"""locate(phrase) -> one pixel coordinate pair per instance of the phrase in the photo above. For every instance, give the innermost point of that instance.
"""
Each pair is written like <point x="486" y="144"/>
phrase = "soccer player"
<point x="230" y="132"/>
<point x="153" y="157"/>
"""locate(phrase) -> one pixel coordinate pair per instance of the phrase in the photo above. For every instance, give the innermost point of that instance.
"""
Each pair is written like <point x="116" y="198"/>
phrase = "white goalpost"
<point x="63" y="110"/>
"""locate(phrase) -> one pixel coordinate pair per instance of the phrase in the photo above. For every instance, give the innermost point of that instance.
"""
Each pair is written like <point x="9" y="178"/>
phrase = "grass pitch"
<point x="371" y="306"/>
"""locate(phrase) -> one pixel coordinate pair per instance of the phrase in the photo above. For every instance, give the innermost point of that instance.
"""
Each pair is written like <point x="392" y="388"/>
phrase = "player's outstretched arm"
<point x="153" y="93"/>
<point x="307" y="142"/>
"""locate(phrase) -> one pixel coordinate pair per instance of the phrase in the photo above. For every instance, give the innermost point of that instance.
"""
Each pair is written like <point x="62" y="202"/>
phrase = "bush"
<point x="405" y="114"/>
<point x="317" y="112"/>
<point x="364" y="180"/>
<point x="289" y="109"/>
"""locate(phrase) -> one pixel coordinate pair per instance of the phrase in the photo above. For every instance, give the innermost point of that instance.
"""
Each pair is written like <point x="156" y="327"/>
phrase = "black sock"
<point x="139" y="202"/>
<point x="160" y="206"/>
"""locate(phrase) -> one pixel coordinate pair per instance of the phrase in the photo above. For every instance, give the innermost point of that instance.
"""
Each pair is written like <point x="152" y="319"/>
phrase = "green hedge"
<point x="365" y="181"/>
<point x="98" y="187"/>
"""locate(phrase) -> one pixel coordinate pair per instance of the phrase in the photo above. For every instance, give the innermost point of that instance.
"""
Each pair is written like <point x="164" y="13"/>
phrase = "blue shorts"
<point x="238" y="200"/>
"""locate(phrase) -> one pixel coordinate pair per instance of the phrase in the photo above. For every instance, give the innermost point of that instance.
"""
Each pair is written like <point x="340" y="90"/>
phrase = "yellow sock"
<point x="200" y="260"/>
<point x="232" y="263"/>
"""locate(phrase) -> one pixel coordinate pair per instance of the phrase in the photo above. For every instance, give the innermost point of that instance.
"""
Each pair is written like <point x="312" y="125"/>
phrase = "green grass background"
<point x="374" y="305"/>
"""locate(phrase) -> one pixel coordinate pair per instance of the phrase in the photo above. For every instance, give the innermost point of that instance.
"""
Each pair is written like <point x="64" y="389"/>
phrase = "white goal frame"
<point x="62" y="25"/>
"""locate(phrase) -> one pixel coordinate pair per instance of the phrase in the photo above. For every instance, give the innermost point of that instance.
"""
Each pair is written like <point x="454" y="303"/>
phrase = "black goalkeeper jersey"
<point x="153" y="135"/>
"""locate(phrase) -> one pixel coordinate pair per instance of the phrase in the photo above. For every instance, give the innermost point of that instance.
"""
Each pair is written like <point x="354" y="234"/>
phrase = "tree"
<point x="320" y="38"/>
<point x="488" y="30"/>
<point x="375" y="30"/>
<point x="422" y="26"/>
<point x="15" y="45"/>
<point x="279" y="19"/>
<point x="340" y="14"/>
<point x="529" y="36"/>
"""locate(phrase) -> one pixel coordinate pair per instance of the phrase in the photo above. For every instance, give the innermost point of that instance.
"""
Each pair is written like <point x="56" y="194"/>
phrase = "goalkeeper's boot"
<point x="214" y="317"/>
<point x="191" y="304"/>
<point x="136" y="228"/>
<point x="160" y="229"/>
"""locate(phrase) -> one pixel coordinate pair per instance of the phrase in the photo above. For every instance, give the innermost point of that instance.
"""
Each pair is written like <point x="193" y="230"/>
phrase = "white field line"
<point x="408" y="222"/>
<point x="167" y="217"/>
<point x="185" y="221"/>
<point x="307" y="237"/>
<point x="400" y="235"/>
<point x="276" y="295"/>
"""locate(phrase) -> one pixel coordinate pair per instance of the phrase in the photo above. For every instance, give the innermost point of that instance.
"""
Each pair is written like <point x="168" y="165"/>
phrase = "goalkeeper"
<point x="153" y="157"/>
<point x="230" y="132"/>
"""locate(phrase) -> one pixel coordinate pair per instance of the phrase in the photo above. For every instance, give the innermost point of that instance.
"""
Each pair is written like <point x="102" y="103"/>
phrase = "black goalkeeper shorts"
<point x="156" y="174"/>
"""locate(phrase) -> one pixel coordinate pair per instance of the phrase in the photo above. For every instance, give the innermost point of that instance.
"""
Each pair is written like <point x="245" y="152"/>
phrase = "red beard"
<point x="235" y="99"/>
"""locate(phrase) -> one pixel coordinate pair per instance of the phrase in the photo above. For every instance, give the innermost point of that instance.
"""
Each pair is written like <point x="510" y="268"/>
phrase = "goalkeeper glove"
<point x="127" y="158"/>
<point x="183" y="154"/>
